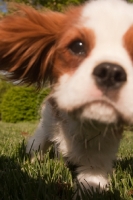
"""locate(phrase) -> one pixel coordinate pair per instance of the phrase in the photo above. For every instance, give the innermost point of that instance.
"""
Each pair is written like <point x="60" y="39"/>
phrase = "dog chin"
<point x="99" y="111"/>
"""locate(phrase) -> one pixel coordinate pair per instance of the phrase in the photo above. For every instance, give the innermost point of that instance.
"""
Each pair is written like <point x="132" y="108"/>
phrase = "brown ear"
<point x="27" y="44"/>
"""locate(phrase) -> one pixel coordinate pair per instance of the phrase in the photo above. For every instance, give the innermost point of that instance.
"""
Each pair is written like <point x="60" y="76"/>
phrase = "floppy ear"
<point x="27" y="44"/>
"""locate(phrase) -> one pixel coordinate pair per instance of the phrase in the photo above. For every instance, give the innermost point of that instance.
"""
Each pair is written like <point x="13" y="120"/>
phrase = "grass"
<point x="51" y="179"/>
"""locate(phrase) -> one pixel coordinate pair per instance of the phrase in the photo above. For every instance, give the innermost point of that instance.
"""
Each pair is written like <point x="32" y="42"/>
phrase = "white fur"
<point x="91" y="140"/>
<point x="92" y="146"/>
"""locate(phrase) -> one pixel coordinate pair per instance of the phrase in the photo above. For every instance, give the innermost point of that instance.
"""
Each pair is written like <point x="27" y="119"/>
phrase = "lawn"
<point x="51" y="179"/>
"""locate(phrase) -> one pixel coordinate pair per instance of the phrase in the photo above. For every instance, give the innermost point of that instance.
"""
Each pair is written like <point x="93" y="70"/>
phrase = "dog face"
<point x="86" y="53"/>
<point x="99" y="83"/>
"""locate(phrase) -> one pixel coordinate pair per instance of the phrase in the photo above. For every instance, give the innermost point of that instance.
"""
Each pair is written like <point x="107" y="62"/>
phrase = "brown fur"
<point x="27" y="44"/>
<point x="67" y="62"/>
<point x="30" y="44"/>
<point x="128" y="41"/>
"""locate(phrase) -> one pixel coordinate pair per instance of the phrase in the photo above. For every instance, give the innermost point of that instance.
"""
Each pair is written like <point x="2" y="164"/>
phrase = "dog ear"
<point x="27" y="44"/>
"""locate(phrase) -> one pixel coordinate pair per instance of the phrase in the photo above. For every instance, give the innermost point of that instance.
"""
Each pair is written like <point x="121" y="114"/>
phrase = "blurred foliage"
<point x="4" y="86"/>
<point x="21" y="104"/>
<point x="57" y="5"/>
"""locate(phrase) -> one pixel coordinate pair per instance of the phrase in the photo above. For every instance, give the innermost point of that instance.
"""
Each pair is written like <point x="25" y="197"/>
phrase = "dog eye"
<point x="77" y="48"/>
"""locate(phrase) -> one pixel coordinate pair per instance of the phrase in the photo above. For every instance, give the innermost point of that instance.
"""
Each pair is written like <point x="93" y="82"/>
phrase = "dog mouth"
<point x="100" y="111"/>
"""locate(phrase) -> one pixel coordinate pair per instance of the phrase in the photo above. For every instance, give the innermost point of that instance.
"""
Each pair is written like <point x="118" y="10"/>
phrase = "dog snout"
<point x="109" y="75"/>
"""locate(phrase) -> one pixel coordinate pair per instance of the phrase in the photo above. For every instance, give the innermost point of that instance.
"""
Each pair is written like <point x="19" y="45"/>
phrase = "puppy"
<point x="87" y="55"/>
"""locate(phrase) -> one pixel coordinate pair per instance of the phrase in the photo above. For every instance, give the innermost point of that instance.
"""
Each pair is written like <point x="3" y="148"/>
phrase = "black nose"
<point x="109" y="75"/>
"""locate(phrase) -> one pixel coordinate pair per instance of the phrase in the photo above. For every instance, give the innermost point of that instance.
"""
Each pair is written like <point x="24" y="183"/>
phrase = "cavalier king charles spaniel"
<point x="86" y="53"/>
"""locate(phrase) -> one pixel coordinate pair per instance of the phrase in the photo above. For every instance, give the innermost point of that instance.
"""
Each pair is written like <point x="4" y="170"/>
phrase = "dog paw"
<point x="98" y="182"/>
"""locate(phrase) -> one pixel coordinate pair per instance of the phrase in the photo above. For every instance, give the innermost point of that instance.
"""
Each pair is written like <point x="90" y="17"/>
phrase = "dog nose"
<point x="109" y="75"/>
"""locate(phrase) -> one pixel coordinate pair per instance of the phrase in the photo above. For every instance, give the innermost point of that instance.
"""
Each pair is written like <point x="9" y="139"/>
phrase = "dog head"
<point x="85" y="52"/>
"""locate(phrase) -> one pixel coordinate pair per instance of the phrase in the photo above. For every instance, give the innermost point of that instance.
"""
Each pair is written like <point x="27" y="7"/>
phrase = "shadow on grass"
<point x="16" y="184"/>
<point x="21" y="180"/>
<point x="126" y="164"/>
